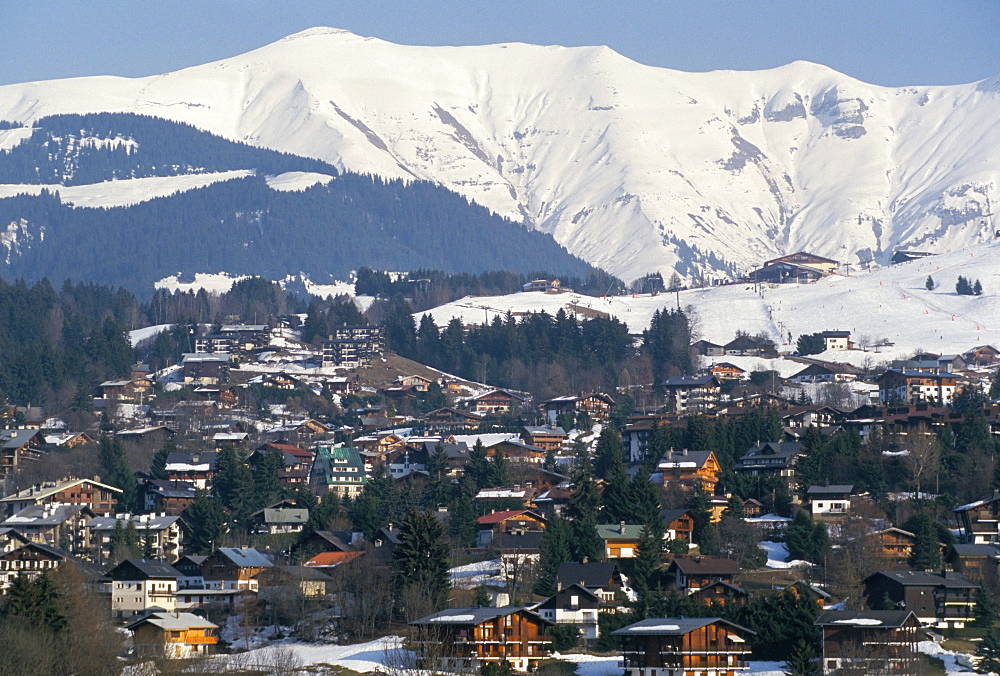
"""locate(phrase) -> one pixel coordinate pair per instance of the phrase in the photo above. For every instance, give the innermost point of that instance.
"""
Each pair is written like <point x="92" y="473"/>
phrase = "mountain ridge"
<point x="632" y="167"/>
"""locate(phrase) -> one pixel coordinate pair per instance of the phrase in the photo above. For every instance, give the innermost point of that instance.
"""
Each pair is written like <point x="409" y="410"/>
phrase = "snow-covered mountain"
<point x="633" y="168"/>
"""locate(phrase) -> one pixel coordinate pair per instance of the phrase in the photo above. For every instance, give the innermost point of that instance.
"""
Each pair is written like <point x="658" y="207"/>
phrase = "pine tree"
<point x="207" y="522"/>
<point x="977" y="289"/>
<point x="158" y="466"/>
<point x="929" y="284"/>
<point x="437" y="490"/>
<point x="988" y="653"/>
<point x="499" y="474"/>
<point x="478" y="466"/>
<point x="806" y="540"/>
<point x="617" y="498"/>
<point x="802" y="661"/>
<point x="554" y="550"/>
<point x="582" y="508"/>
<point x="699" y="505"/>
<point x="463" y="520"/>
<point x="647" y="559"/>
<point x="116" y="472"/>
<point x="421" y="557"/>
<point x="985" y="610"/>
<point x="644" y="498"/>
<point x="609" y="453"/>
<point x="926" y="551"/>
<point x="267" y="479"/>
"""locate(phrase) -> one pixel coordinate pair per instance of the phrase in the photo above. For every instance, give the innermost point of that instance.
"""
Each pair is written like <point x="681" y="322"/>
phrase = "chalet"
<point x="10" y="539"/>
<point x="206" y="369"/>
<point x="796" y="268"/>
<point x="683" y="646"/>
<point x="721" y="593"/>
<point x="278" y="521"/>
<point x="278" y="581"/>
<point x="871" y="641"/>
<point x="99" y="498"/>
<point x="193" y="467"/>
<point x="326" y="541"/>
<point x="54" y="524"/>
<point x="726" y="371"/>
<point x="547" y="438"/>
<point x="380" y="443"/>
<point x="339" y="470"/>
<point x="159" y="532"/>
<point x="829" y="502"/>
<point x="801" y="417"/>
<point x="172" y="635"/>
<point x="280" y="381"/>
<point x="329" y="560"/>
<point x="553" y="500"/>
<point x="772" y="458"/>
<point x="202" y="600"/>
<point x="125" y="390"/>
<point x="598" y="406"/>
<point x="496" y="402"/>
<point x="753" y="507"/>
<point x="296" y="463"/>
<point x="826" y="372"/>
<point x="299" y="431"/>
<point x="939" y="599"/>
<point x="982" y="355"/>
<point x="515" y="450"/>
<point x="979" y="563"/>
<point x="150" y="434"/>
<point x="234" y="568"/>
<point x="574" y="605"/>
<point x="684" y="470"/>
<point x="343" y="385"/>
<point x="168" y="497"/>
<point x="745" y="346"/>
<point x="405" y="460"/>
<point x="893" y="545"/>
<point x="512" y="521"/>
<point x="603" y="578"/>
<point x="451" y="419"/>
<point x="692" y="573"/>
<point x="419" y="383"/>
<point x="18" y="446"/>
<point x="679" y="524"/>
<point x="463" y="639"/>
<point x="980" y="521"/>
<point x="137" y="584"/>
<point x="704" y="348"/>
<point x="224" y="396"/>
<point x="67" y="440"/>
<point x="837" y="341"/>
<point x="802" y="589"/>
<point x="542" y="285"/>
<point x="30" y="560"/>
<point x="692" y="395"/>
<point x="620" y="541"/>
<point x="914" y="386"/>
<point x="901" y="256"/>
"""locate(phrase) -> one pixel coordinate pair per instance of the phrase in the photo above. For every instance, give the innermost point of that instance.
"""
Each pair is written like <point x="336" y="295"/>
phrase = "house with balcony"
<point x="138" y="584"/>
<point x="173" y="635"/>
<point x="683" y="470"/>
<point x="339" y="470"/>
<point x="574" y="605"/>
<point x="910" y="387"/>
<point x="870" y="641"/>
<point x="30" y="561"/>
<point x="944" y="599"/>
<point x="772" y="458"/>
<point x="100" y="498"/>
<point x="829" y="503"/>
<point x="980" y="521"/>
<point x="684" y="646"/>
<point x="160" y="531"/>
<point x="698" y="394"/>
<point x="691" y="573"/>
<point x="464" y="639"/>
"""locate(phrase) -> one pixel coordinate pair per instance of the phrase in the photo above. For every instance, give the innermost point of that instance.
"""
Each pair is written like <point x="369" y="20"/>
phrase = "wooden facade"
<point x="684" y="470"/>
<point x="679" y="646"/>
<point x="468" y="638"/>
<point x="884" y="640"/>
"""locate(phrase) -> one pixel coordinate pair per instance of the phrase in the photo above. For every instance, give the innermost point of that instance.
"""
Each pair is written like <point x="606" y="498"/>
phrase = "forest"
<point x="240" y="226"/>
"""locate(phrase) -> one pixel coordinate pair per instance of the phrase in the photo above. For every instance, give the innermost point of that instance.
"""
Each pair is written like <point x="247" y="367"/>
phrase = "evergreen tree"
<point x="35" y="602"/>
<point x="116" y="472"/>
<point x="647" y="559"/>
<point x="554" y="550"/>
<point x="806" y="540"/>
<point x="644" y="498"/>
<point x="929" y="284"/>
<point x="267" y="478"/>
<point x="207" y="523"/>
<point x="582" y="509"/>
<point x="481" y="597"/>
<point x="609" y="454"/>
<point x="478" y="466"/>
<point x="985" y="610"/>
<point x="421" y="557"/>
<point x="988" y="653"/>
<point x="463" y="520"/>
<point x="437" y="490"/>
<point x="617" y="498"/>
<point x="802" y="661"/>
<point x="158" y="466"/>
<point x="499" y="470"/>
<point x="812" y="343"/>
<point x="232" y="482"/>
<point x="977" y="289"/>
<point x="549" y="464"/>
<point x="926" y="550"/>
<point x="699" y="506"/>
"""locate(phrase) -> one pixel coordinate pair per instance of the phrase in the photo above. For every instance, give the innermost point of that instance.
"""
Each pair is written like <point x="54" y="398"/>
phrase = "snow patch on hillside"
<point x="292" y="181"/>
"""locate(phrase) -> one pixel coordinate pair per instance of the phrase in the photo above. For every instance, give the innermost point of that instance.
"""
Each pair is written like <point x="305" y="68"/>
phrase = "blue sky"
<point x="900" y="42"/>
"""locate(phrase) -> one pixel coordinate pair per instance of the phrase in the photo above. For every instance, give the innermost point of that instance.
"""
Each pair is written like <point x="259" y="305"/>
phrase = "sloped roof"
<point x="145" y="568"/>
<point x="473" y="616"/>
<point x="705" y="565"/>
<point x="245" y="557"/>
<point x="883" y="619"/>
<point x="614" y="531"/>
<point x="673" y="626"/>
<point x="331" y="559"/>
<point x="174" y="621"/>
<point x="498" y="517"/>
<point x="594" y="575"/>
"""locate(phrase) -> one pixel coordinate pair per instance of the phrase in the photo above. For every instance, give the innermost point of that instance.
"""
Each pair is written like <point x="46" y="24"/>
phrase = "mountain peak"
<point x="317" y="31"/>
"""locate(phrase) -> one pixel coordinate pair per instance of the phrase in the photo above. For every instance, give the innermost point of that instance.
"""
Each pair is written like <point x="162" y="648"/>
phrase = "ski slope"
<point x="890" y="303"/>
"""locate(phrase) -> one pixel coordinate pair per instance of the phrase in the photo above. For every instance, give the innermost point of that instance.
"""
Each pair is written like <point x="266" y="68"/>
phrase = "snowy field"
<point x="890" y="303"/>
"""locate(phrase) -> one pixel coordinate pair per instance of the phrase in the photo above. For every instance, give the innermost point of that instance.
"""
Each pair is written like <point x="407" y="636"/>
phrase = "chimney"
<point x="585" y="559"/>
<point x="684" y="452"/>
<point x="621" y="527"/>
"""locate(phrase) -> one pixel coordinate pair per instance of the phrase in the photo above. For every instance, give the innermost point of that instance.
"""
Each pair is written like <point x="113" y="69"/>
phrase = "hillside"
<point x="630" y="167"/>
<point x="129" y="200"/>
<point x="890" y="303"/>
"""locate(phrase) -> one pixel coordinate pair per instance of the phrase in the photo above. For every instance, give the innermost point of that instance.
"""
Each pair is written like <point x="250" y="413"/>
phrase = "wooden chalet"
<point x="447" y="419"/>
<point x="574" y="605"/>
<point x="721" y="593"/>
<point x="511" y="521"/>
<point x="684" y="646"/>
<point x="689" y="574"/>
<point x="679" y="524"/>
<point x="126" y="390"/>
<point x="234" y="568"/>
<point x="496" y="402"/>
<point x="982" y="355"/>
<point x="18" y="446"/>
<point x="726" y="371"/>
<point x="980" y="520"/>
<point x="891" y="544"/>
<point x="621" y="541"/>
<point x="463" y="639"/>
<point x="516" y="450"/>
<point x="884" y="641"/>
<point x="193" y="467"/>
<point x="547" y="437"/>
<point x="684" y="470"/>
<point x="603" y="578"/>
<point x="99" y="498"/>
<point x="699" y="394"/>
<point x="30" y="560"/>
<point x="939" y="599"/>
<point x="980" y="563"/>
<point x="797" y="268"/>
<point x="173" y="635"/>
<point x="598" y="406"/>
